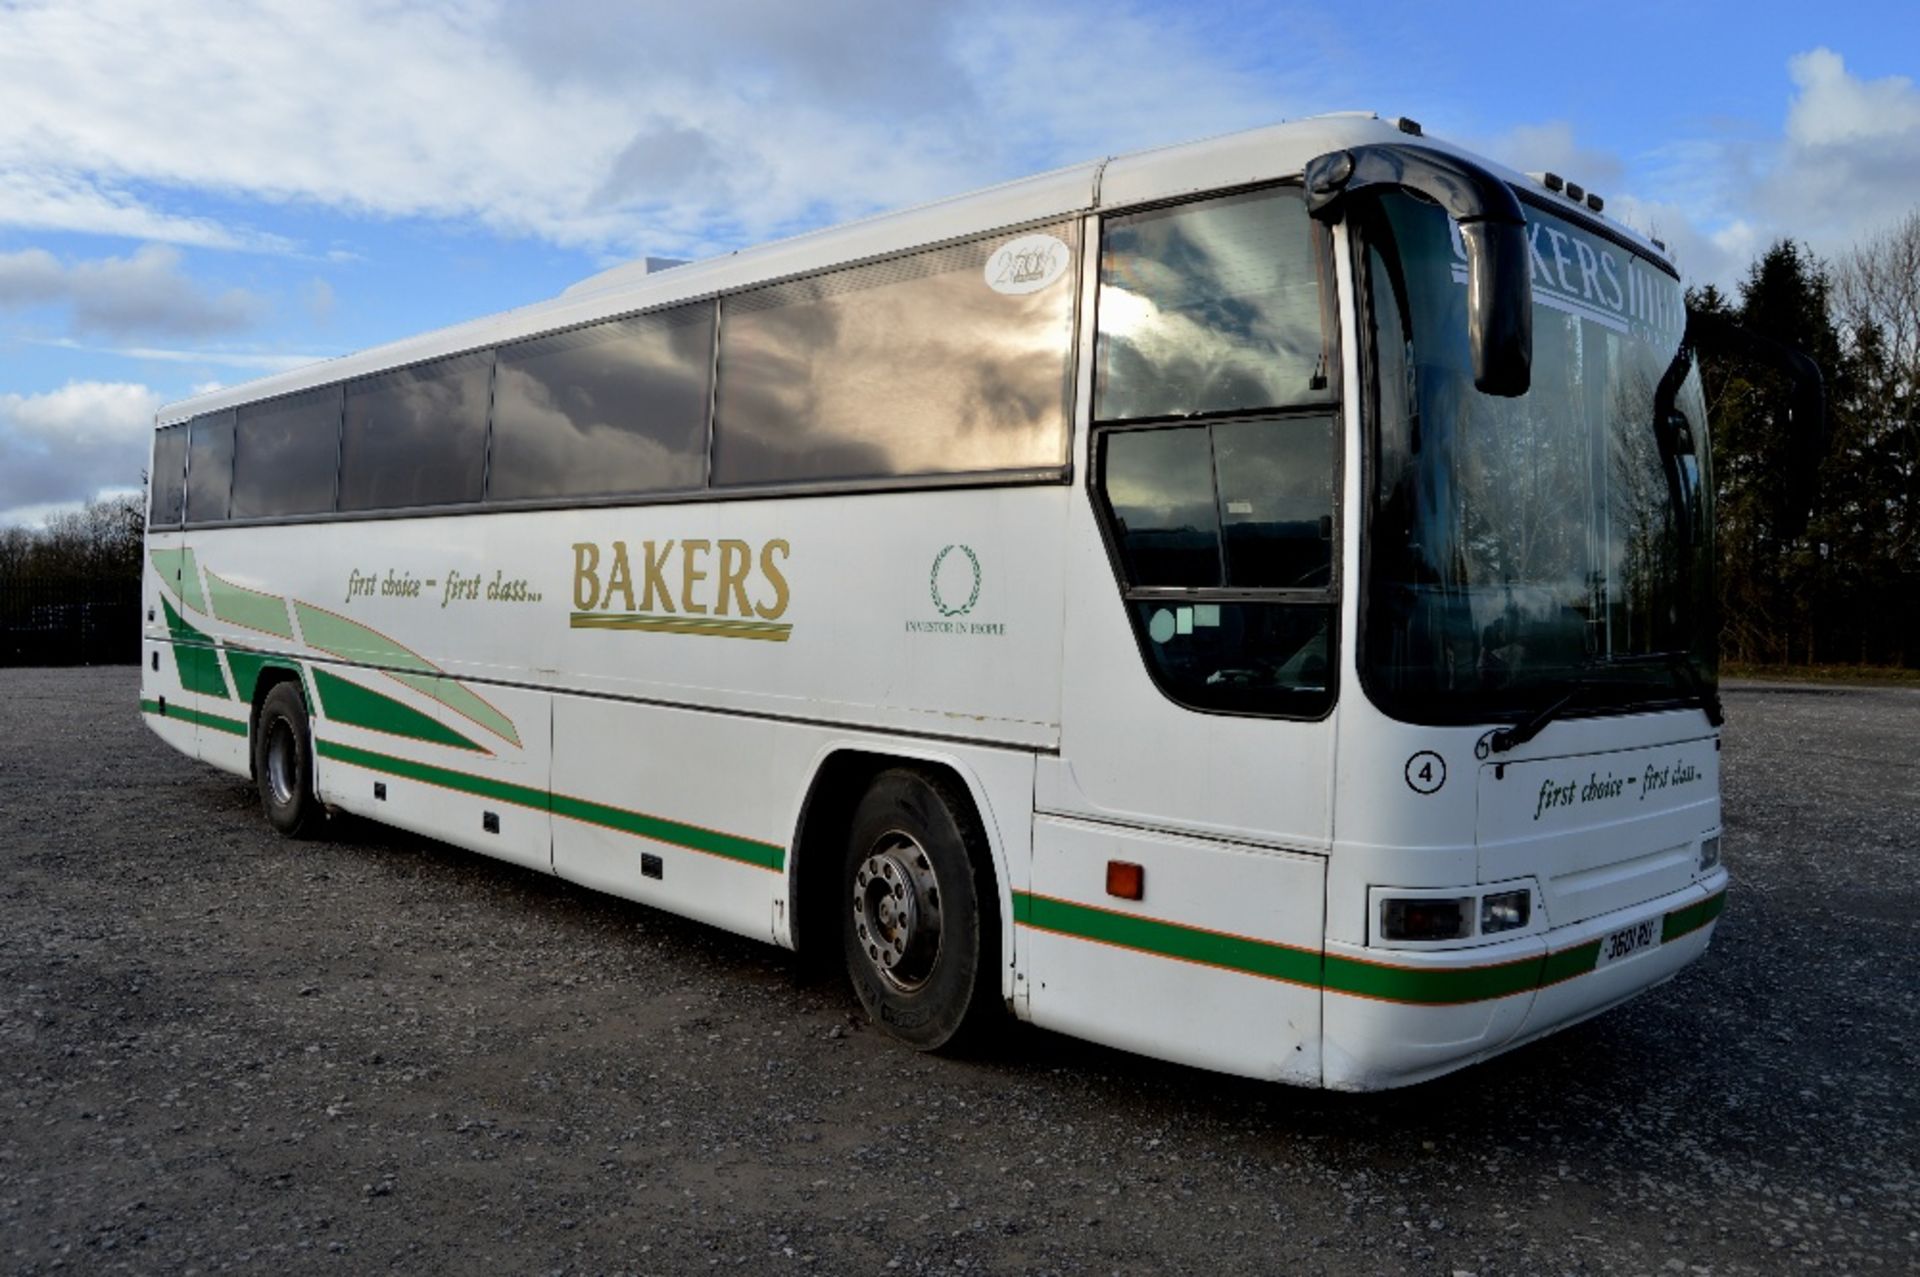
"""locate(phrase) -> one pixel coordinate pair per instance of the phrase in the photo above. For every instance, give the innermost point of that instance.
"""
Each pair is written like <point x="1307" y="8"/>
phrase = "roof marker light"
<point x="1407" y="126"/>
<point x="1594" y="202"/>
<point x="1552" y="181"/>
<point x="1576" y="192"/>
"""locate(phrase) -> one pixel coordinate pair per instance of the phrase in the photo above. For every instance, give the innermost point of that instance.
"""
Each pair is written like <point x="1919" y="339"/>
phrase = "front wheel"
<point x="922" y="935"/>
<point x="283" y="763"/>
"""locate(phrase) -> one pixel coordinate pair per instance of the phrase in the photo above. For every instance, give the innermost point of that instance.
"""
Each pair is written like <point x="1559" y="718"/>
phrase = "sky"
<point x="194" y="195"/>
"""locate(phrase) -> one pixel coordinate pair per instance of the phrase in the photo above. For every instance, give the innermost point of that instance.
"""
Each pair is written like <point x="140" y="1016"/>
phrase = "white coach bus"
<point x="1249" y="602"/>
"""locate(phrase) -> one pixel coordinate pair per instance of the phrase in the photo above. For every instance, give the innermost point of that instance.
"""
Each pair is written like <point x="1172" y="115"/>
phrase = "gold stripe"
<point x="703" y="626"/>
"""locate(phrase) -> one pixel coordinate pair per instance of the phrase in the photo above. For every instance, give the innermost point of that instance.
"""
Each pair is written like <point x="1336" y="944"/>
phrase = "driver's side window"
<point x="1224" y="533"/>
<point x="1216" y="448"/>
<point x="1241" y="505"/>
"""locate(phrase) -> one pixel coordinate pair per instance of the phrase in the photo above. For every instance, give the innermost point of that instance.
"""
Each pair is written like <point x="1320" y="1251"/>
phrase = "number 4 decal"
<point x="1426" y="772"/>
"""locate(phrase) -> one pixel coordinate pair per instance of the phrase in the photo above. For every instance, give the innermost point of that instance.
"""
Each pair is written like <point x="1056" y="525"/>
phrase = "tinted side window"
<point x="1242" y="504"/>
<point x="1213" y="306"/>
<point x="285" y="454"/>
<point x="209" y="467"/>
<point x="1241" y="658"/>
<point x="1276" y="501"/>
<point x="616" y="407"/>
<point x="1160" y="486"/>
<point x="950" y="361"/>
<point x="1204" y="514"/>
<point x="168" y="483"/>
<point x="417" y="436"/>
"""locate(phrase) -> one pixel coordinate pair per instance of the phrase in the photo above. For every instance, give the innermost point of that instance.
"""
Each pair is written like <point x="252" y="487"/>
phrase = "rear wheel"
<point x="921" y="922"/>
<point x="283" y="763"/>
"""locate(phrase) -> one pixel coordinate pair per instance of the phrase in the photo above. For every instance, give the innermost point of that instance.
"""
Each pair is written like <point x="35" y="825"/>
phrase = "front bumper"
<point x="1396" y="1018"/>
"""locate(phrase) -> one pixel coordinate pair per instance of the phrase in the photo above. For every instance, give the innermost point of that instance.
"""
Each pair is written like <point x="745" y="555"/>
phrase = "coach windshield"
<point x="1520" y="550"/>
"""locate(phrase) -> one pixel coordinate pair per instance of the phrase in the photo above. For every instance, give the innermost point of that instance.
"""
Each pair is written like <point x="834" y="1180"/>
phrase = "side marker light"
<point x="1126" y="880"/>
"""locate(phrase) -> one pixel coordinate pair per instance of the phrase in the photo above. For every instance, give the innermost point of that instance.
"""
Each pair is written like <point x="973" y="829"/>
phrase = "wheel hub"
<point x="282" y="762"/>
<point x="896" y="911"/>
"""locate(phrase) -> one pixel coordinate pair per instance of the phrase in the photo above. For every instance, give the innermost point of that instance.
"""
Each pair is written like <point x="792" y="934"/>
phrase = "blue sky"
<point x="200" y="194"/>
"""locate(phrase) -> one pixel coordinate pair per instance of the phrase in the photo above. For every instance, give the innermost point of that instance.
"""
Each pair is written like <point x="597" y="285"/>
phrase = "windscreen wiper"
<point x="1520" y="733"/>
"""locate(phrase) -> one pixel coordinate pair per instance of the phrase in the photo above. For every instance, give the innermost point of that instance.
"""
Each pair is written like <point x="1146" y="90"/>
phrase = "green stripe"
<point x="1335" y="973"/>
<point x="747" y="850"/>
<point x="338" y="636"/>
<point x="1432" y="986"/>
<point x="1692" y="918"/>
<point x="194" y="654"/>
<point x="1564" y="964"/>
<point x="1168" y="939"/>
<point x="231" y="726"/>
<point x="350" y="703"/>
<point x="180" y="573"/>
<point x="465" y="782"/>
<point x="241" y="606"/>
<point x="658" y="828"/>
<point x="245" y="666"/>
<point x="462" y="701"/>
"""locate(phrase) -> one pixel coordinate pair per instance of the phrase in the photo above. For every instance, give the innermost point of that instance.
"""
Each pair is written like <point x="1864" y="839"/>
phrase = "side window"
<point x="416" y="436"/>
<point x="1223" y="528"/>
<point x="209" y="467"/>
<point x="286" y="453"/>
<point x="1213" y="306"/>
<point x="1207" y="518"/>
<point x="610" y="408"/>
<point x="1275" y="484"/>
<point x="1159" y="484"/>
<point x="168" y="482"/>
<point x="1245" y="505"/>
<point x="952" y="361"/>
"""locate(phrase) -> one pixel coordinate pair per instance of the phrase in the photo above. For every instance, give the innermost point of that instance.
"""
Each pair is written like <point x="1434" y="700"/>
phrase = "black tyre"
<point x="283" y="763"/>
<point x="921" y="915"/>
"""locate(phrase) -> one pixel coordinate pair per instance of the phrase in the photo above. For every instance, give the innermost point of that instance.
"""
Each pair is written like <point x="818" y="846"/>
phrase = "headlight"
<point x="1505" y="911"/>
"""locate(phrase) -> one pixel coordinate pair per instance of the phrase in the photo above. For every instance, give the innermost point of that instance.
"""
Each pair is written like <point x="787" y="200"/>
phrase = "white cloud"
<point x="1845" y="165"/>
<point x="72" y="444"/>
<point x="1850" y="163"/>
<point x="264" y="361"/>
<point x="85" y="412"/>
<point x="120" y="296"/>
<point x="40" y="192"/>
<point x="594" y="125"/>
<point x="1551" y="147"/>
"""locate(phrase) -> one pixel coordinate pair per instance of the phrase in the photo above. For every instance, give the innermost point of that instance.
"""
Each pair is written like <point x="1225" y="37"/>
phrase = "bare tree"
<point x="1877" y="305"/>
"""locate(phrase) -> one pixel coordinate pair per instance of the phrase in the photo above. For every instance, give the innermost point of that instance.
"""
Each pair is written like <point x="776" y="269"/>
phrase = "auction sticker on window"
<point x="1027" y="264"/>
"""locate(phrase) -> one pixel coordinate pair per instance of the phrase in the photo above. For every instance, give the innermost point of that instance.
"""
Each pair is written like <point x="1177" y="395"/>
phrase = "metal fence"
<point x="69" y="622"/>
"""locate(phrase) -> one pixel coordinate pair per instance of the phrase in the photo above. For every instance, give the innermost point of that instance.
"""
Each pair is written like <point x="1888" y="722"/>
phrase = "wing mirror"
<point x="1494" y="230"/>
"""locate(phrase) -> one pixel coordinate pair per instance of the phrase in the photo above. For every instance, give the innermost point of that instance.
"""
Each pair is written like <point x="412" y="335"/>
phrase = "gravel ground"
<point x="223" y="1051"/>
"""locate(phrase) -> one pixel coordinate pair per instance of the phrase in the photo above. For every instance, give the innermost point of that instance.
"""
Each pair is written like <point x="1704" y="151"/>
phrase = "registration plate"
<point x="1628" y="941"/>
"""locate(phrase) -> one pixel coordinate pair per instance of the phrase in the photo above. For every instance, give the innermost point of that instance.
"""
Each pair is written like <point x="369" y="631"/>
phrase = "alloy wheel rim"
<point x="897" y="911"/>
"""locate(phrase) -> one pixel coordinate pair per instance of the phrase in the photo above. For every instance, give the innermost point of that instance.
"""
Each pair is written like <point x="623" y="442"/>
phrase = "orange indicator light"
<point x="1126" y="880"/>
